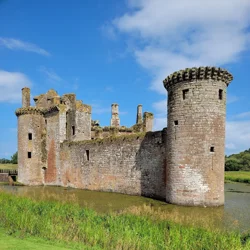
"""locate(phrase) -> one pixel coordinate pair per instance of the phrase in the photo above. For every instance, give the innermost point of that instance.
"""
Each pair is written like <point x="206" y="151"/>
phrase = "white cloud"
<point x="109" y="89"/>
<point x="243" y="115"/>
<point x="159" y="123"/>
<point x="15" y="44"/>
<point x="173" y="35"/>
<point x="11" y="84"/>
<point x="232" y="98"/>
<point x="99" y="109"/>
<point x="50" y="74"/>
<point x="161" y="107"/>
<point x="96" y="109"/>
<point x="169" y="35"/>
<point x="237" y="136"/>
<point x="160" y="117"/>
<point x="108" y="31"/>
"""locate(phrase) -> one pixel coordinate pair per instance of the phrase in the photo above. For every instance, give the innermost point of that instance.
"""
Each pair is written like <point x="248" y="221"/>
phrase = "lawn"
<point x="238" y="176"/>
<point x="28" y="243"/>
<point x="8" y="166"/>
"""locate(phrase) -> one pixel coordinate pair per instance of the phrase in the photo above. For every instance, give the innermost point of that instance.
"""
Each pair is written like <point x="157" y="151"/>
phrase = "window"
<point x="73" y="130"/>
<point x="87" y="154"/>
<point x="185" y="93"/>
<point x="49" y="101"/>
<point x="220" y="94"/>
<point x="170" y="96"/>
<point x="176" y="123"/>
<point x="30" y="136"/>
<point x="212" y="149"/>
<point x="29" y="155"/>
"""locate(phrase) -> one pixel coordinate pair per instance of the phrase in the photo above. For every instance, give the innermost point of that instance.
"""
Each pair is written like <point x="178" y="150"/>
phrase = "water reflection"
<point x="234" y="215"/>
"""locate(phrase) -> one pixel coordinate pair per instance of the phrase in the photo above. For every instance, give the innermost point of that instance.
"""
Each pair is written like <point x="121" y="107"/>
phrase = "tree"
<point x="237" y="162"/>
<point x="14" y="158"/>
<point x="4" y="161"/>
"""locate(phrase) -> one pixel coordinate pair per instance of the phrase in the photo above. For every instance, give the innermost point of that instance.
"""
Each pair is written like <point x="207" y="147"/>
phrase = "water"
<point x="234" y="215"/>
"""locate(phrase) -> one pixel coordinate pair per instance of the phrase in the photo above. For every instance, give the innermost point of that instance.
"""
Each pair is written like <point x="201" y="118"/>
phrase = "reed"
<point x="238" y="176"/>
<point x="72" y="224"/>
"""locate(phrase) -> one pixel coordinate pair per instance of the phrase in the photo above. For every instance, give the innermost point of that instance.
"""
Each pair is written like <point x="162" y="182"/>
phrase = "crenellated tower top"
<point x="201" y="73"/>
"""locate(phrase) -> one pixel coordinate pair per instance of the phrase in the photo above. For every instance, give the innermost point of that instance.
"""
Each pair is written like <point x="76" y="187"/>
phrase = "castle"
<point x="59" y="144"/>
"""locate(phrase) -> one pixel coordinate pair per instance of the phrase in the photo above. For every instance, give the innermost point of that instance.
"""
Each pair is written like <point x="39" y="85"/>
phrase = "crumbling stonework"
<point x="127" y="164"/>
<point x="59" y="144"/>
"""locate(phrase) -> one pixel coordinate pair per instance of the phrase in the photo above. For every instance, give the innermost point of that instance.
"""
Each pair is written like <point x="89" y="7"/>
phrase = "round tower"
<point x="30" y="142"/>
<point x="196" y="136"/>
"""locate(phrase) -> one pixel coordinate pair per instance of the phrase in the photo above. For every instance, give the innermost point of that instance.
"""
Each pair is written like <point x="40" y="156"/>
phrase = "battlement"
<point x="29" y="111"/>
<point x="201" y="73"/>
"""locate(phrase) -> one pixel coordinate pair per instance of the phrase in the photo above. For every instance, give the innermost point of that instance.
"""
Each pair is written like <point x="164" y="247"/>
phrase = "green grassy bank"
<point x="8" y="166"/>
<point x="18" y="242"/>
<point x="82" y="228"/>
<point x="238" y="176"/>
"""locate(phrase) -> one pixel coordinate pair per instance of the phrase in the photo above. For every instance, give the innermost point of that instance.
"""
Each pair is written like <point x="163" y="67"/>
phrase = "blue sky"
<point x="120" y="51"/>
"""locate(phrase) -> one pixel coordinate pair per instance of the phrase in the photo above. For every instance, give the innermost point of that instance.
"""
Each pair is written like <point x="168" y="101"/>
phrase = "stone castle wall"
<point x="4" y="177"/>
<point x="131" y="164"/>
<point x="52" y="147"/>
<point x="183" y="164"/>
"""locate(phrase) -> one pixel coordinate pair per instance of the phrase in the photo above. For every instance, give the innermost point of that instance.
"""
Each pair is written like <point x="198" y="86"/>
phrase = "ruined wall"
<point x="4" y="177"/>
<point x="52" y="147"/>
<point x="83" y="122"/>
<point x="104" y="132"/>
<point x="62" y="122"/>
<point x="131" y="164"/>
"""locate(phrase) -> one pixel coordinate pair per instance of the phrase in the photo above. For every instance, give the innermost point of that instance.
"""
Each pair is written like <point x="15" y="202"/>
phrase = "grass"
<point x="8" y="166"/>
<point x="17" y="242"/>
<point x="83" y="228"/>
<point x="237" y="176"/>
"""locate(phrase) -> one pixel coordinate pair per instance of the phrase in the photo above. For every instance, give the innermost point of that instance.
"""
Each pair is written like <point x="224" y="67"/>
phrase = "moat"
<point x="234" y="215"/>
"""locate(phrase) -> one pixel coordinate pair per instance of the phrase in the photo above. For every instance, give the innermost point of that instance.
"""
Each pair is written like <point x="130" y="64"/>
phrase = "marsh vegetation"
<point x="77" y="226"/>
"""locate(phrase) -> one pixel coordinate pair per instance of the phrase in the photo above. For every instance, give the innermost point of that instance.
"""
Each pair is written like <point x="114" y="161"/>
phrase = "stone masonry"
<point x="59" y="144"/>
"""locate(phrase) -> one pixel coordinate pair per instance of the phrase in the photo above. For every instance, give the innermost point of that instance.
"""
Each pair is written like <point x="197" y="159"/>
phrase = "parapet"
<point x="29" y="111"/>
<point x="36" y="110"/>
<point x="50" y="109"/>
<point x="201" y="73"/>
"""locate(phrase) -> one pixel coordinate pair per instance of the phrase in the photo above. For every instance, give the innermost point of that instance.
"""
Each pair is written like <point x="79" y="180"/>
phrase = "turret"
<point x="115" y="121"/>
<point x="196" y="136"/>
<point x="31" y="142"/>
